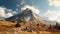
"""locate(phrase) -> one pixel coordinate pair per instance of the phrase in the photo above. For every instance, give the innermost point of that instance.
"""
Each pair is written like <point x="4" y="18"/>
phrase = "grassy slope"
<point x="6" y="28"/>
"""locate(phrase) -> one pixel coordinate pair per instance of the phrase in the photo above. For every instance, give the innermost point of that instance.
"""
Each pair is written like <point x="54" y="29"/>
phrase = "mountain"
<point x="25" y="15"/>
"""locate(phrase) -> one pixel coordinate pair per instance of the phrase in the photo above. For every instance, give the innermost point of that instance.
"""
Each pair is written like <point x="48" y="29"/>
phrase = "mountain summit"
<point x="25" y="15"/>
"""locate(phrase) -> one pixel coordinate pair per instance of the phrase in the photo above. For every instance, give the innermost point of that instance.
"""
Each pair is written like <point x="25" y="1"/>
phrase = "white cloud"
<point x="14" y="12"/>
<point x="18" y="5"/>
<point x="55" y="3"/>
<point x="4" y="12"/>
<point x="53" y="15"/>
<point x="8" y="15"/>
<point x="23" y="2"/>
<point x="31" y="8"/>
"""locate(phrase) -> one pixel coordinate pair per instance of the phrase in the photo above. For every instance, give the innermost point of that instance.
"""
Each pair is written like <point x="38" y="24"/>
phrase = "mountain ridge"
<point x="25" y="15"/>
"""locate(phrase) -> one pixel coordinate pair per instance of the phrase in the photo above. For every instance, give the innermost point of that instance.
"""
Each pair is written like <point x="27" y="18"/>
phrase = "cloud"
<point x="23" y="2"/>
<point x="55" y="3"/>
<point x="2" y="13"/>
<point x="52" y="15"/>
<point x="6" y="13"/>
<point x="35" y="10"/>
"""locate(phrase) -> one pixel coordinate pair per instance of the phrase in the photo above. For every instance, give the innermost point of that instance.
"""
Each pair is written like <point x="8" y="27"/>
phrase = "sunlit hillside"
<point x="7" y="27"/>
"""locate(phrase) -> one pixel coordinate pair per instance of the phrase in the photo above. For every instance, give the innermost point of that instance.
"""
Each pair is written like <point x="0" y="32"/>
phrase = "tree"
<point x="57" y="26"/>
<point x="17" y="25"/>
<point x="50" y="27"/>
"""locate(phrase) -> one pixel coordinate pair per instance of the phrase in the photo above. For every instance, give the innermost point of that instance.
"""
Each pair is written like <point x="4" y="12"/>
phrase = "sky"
<point x="49" y="9"/>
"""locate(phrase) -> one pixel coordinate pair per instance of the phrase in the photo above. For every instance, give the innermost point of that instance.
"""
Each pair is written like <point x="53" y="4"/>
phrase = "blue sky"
<point x="48" y="8"/>
<point x="42" y="5"/>
<point x="12" y="4"/>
